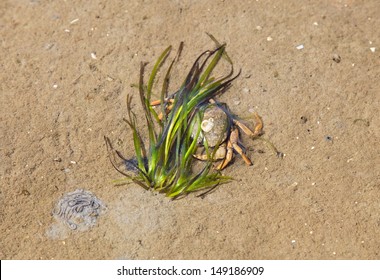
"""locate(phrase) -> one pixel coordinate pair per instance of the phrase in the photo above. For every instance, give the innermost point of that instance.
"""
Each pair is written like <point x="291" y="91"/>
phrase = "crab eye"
<point x="207" y="125"/>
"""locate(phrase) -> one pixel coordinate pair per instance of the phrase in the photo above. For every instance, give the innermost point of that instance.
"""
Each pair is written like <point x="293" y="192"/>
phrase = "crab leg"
<point x="228" y="157"/>
<point x="200" y="156"/>
<point x="258" y="128"/>
<point x="158" y="102"/>
<point x="168" y="107"/>
<point x="234" y="138"/>
<point x="241" y="152"/>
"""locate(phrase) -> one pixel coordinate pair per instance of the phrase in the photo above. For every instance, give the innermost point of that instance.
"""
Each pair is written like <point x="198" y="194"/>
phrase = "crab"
<point x="221" y="130"/>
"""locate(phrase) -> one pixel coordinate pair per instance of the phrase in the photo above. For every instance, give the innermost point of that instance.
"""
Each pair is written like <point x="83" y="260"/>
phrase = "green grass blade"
<point x="157" y="65"/>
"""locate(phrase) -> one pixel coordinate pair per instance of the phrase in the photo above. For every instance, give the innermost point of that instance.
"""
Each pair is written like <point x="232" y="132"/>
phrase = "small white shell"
<point x="207" y="125"/>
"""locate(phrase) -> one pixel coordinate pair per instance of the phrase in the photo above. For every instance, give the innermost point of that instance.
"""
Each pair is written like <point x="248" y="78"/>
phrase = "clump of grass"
<point x="165" y="162"/>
